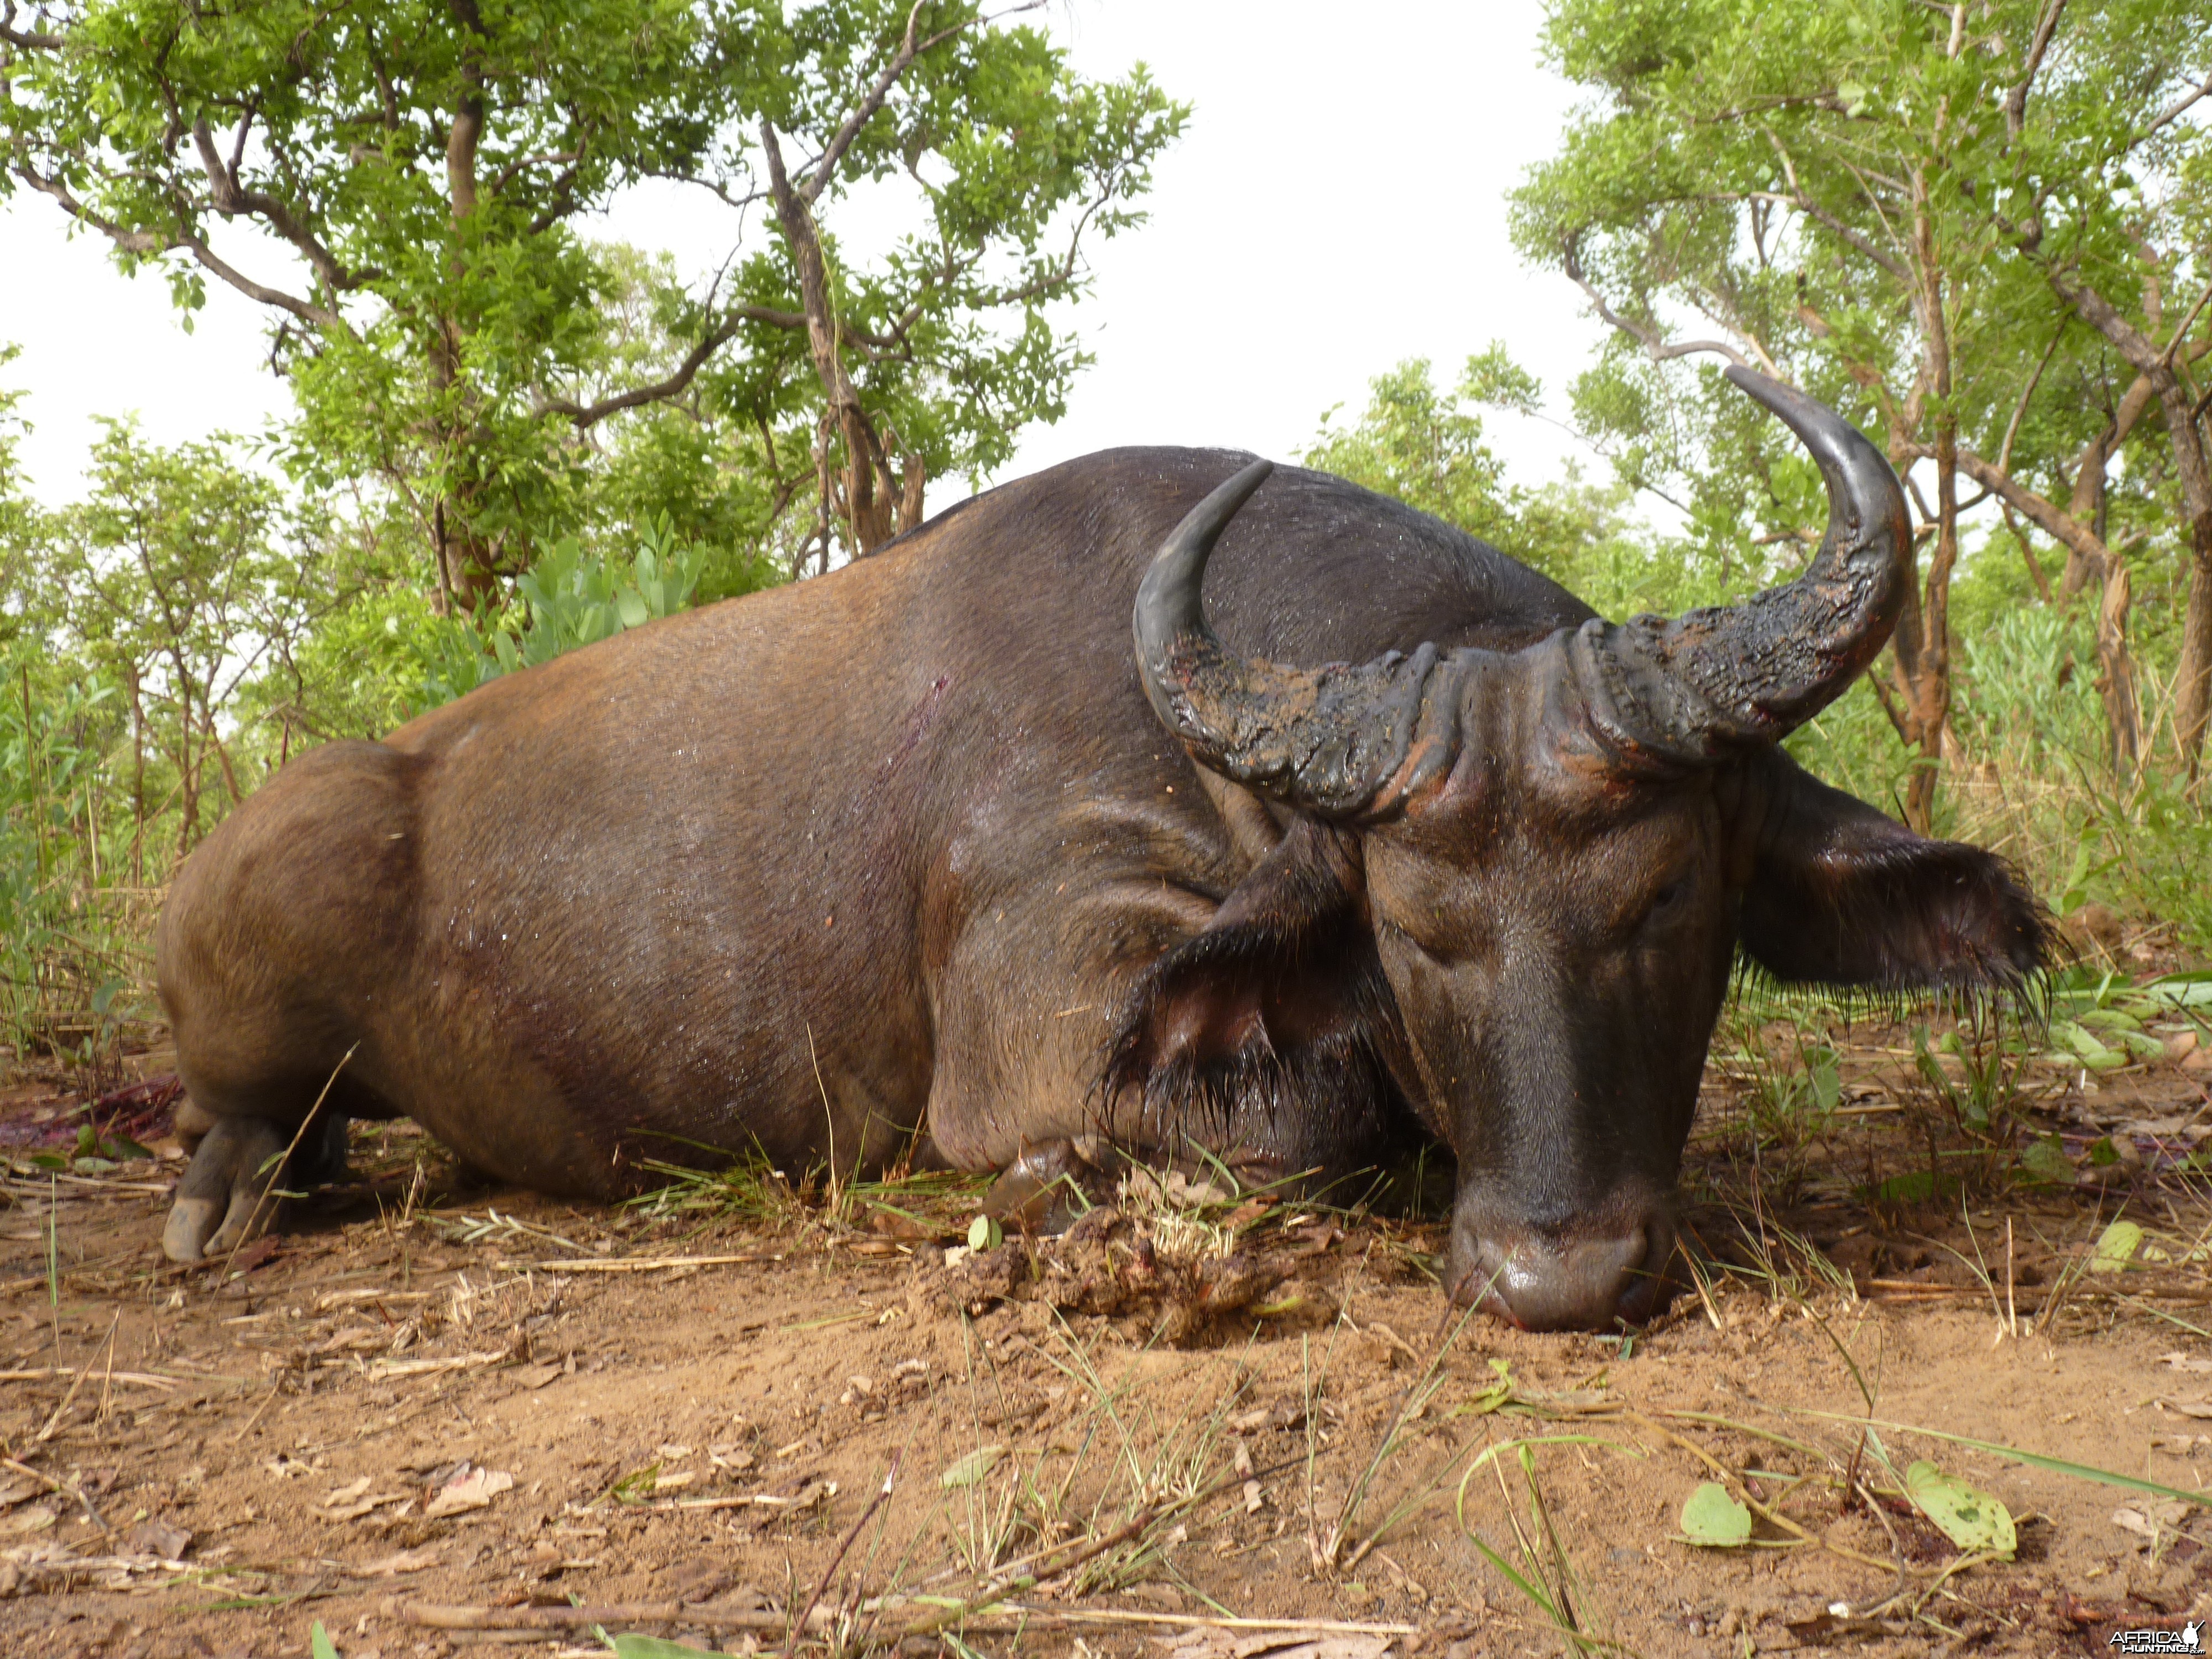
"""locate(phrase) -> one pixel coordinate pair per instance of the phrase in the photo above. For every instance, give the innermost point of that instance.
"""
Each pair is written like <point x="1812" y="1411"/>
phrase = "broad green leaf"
<point x="1974" y="1520"/>
<point x="657" y="1647"/>
<point x="1713" y="1520"/>
<point x="320" y="1645"/>
<point x="2045" y="1160"/>
<point x="985" y="1234"/>
<point x="2116" y="1248"/>
<point x="1827" y="1086"/>
<point x="971" y="1470"/>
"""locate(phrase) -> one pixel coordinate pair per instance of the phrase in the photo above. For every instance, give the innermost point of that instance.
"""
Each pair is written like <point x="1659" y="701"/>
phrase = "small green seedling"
<point x="320" y="1645"/>
<point x="1974" y="1520"/>
<point x="985" y="1234"/>
<point x="1711" y="1520"/>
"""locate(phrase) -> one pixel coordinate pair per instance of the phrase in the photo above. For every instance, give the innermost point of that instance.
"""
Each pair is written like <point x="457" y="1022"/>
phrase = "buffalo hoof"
<point x="1046" y="1190"/>
<point x="231" y="1190"/>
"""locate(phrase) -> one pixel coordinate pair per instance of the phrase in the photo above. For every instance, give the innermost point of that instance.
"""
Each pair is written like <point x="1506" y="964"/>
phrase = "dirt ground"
<point x="430" y="1416"/>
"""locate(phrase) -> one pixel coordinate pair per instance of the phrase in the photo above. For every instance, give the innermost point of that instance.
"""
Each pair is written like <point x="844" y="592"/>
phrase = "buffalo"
<point x="1378" y="839"/>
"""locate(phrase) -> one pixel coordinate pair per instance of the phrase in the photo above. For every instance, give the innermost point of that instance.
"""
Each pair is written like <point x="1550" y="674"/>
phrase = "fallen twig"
<point x="130" y="1379"/>
<point x="883" y="1496"/>
<point x="642" y="1264"/>
<point x="383" y="1369"/>
<point x="434" y="1616"/>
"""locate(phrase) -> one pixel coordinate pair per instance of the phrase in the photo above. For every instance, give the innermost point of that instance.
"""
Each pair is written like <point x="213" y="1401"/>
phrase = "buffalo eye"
<point x="1667" y="899"/>
<point x="1435" y="950"/>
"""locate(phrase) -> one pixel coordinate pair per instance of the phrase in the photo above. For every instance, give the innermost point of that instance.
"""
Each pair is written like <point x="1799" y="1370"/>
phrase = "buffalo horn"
<point x="1694" y="687"/>
<point x="1328" y="740"/>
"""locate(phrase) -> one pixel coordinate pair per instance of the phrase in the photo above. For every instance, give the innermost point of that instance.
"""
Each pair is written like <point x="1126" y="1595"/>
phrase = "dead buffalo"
<point x="922" y="855"/>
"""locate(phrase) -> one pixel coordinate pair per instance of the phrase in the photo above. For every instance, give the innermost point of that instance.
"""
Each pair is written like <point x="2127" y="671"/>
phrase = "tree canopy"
<point x="1980" y="229"/>
<point x="422" y="178"/>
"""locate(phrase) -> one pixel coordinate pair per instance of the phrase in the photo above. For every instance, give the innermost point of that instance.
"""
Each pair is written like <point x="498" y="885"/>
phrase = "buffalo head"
<point x="1551" y="856"/>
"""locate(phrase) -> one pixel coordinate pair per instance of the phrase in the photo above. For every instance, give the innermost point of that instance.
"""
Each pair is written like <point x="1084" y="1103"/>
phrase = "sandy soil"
<point x="425" y="1414"/>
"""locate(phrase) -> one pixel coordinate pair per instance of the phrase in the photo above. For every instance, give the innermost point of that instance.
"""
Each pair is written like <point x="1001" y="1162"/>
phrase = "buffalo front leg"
<point x="231" y="1190"/>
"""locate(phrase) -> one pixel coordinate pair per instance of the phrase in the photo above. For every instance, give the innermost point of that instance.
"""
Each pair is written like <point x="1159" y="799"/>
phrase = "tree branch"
<point x="2015" y="103"/>
<point x="513" y="170"/>
<point x="2012" y="428"/>
<point x="2053" y="520"/>
<point x="909" y="49"/>
<point x="229" y="196"/>
<point x="25" y="40"/>
<point x="146" y="243"/>
<point x="2180" y="107"/>
<point x="2189" y="322"/>
<point x="1805" y="205"/>
<point x="586" y="415"/>
<point x="2100" y="314"/>
<point x="1657" y="349"/>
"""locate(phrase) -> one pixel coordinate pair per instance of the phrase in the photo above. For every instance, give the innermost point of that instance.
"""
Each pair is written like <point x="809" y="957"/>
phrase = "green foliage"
<point x="18" y="515"/>
<point x="425" y="171"/>
<point x="62" y="959"/>
<point x="572" y="598"/>
<point x="169" y="640"/>
<point x="174" y="580"/>
<point x="657" y="1647"/>
<point x="1900" y="212"/>
<point x="1425" y="447"/>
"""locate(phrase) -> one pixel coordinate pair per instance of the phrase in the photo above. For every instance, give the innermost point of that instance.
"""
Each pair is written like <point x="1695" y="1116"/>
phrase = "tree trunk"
<point x="1931" y="690"/>
<point x="1922" y="643"/>
<point x="468" y="573"/>
<point x="875" y="503"/>
<point x="137" y="774"/>
<point x="2087" y="563"/>
<point x="2192" y="697"/>
<point x="2192" y="700"/>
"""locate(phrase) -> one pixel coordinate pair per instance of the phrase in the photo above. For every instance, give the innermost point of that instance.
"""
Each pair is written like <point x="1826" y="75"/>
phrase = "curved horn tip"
<point x="1168" y="597"/>
<point x="1764" y="389"/>
<point x="1233" y="492"/>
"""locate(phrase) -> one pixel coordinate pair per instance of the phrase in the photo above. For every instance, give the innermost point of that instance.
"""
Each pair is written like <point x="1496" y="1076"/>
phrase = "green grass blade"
<point x="2037" y="1459"/>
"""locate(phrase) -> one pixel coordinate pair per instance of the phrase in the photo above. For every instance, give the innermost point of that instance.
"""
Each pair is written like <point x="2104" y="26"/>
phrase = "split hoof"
<point x="230" y="1196"/>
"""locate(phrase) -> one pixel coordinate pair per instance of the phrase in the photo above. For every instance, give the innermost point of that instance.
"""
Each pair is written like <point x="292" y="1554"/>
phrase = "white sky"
<point x="1336" y="204"/>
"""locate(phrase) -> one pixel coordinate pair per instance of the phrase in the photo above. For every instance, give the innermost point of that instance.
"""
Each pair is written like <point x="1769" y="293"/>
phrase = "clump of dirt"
<point x="1177" y="1285"/>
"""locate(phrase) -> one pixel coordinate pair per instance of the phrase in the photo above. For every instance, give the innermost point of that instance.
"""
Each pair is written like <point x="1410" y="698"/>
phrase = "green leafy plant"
<point x="1713" y="1520"/>
<point x="1972" y="1520"/>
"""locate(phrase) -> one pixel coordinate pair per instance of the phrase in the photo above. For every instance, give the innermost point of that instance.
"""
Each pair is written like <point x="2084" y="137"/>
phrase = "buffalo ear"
<point x="1843" y="895"/>
<point x="1273" y="1020"/>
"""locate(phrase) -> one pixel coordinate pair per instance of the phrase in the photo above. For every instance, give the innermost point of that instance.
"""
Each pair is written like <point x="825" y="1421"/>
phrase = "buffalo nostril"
<point x="1585" y="1285"/>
